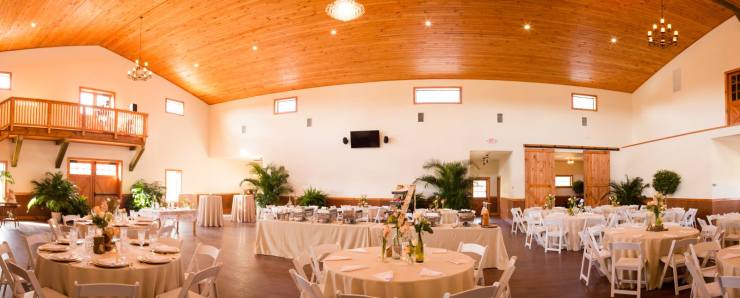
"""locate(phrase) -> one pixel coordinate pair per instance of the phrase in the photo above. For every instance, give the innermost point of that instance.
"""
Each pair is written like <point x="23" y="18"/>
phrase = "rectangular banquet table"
<point x="289" y="239"/>
<point x="177" y="213"/>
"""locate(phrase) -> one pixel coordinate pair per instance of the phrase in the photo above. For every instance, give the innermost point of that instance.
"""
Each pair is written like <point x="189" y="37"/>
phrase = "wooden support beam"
<point x="17" y="152"/>
<point x="570" y="147"/>
<point x="137" y="156"/>
<point x="730" y="6"/>
<point x="63" y="145"/>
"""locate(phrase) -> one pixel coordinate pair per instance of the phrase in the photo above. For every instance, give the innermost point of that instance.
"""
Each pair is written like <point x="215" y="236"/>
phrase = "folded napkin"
<point x="349" y="268"/>
<point x="359" y="250"/>
<point x="437" y="250"/>
<point x="429" y="272"/>
<point x="686" y="231"/>
<point x="457" y="261"/>
<point x="386" y="276"/>
<point x="730" y="256"/>
<point x="337" y="258"/>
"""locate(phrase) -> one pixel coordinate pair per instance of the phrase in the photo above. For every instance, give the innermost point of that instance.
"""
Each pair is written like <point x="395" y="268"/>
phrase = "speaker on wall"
<point x="134" y="107"/>
<point x="385" y="139"/>
<point x="345" y="140"/>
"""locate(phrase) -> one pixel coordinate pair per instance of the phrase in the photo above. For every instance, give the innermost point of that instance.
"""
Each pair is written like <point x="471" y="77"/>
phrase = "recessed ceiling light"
<point x="254" y="47"/>
<point x="428" y="23"/>
<point x="33" y="24"/>
<point x="613" y="40"/>
<point x="333" y="31"/>
<point x="196" y="65"/>
<point x="527" y="26"/>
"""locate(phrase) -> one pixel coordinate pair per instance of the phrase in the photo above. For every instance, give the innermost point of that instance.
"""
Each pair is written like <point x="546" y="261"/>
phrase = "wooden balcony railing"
<point x="16" y="112"/>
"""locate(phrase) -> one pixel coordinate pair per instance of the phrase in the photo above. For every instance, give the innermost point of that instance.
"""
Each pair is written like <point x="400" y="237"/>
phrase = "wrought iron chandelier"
<point x="662" y="34"/>
<point x="345" y="10"/>
<point x="140" y="72"/>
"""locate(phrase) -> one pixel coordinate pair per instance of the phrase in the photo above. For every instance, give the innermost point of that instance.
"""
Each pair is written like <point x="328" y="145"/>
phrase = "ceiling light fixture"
<point x="33" y="24"/>
<point x="613" y="40"/>
<point x="139" y="72"/>
<point x="570" y="162"/>
<point x="428" y="23"/>
<point x="662" y="35"/>
<point x="196" y="65"/>
<point x="527" y="26"/>
<point x="333" y="31"/>
<point x="345" y="10"/>
<point x="254" y="48"/>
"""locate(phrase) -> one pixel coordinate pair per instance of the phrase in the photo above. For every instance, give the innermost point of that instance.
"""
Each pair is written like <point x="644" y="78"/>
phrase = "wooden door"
<point x="95" y="179"/>
<point x="481" y="193"/>
<point x="596" y="176"/>
<point x="80" y="173"/>
<point x="732" y="95"/>
<point x="539" y="175"/>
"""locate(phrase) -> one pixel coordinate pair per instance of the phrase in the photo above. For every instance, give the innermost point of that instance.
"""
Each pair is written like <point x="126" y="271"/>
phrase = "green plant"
<point x="629" y="191"/>
<point x="6" y="177"/>
<point x="56" y="194"/>
<point x="78" y="206"/>
<point x="271" y="182"/>
<point x="451" y="181"/>
<point x="578" y="187"/>
<point x="666" y="182"/>
<point x="312" y="197"/>
<point x="145" y="194"/>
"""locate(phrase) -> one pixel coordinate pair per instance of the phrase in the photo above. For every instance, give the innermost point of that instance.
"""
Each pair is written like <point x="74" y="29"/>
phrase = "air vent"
<point x="584" y="121"/>
<point x="500" y="118"/>
<point x="309" y="122"/>
<point x="420" y="117"/>
<point x="676" y="80"/>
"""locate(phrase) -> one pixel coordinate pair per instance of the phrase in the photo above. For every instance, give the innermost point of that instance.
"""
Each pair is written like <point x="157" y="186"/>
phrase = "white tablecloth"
<point x="729" y="265"/>
<point x="406" y="281"/>
<point x="243" y="208"/>
<point x="210" y="211"/>
<point x="154" y="279"/>
<point x="177" y="213"/>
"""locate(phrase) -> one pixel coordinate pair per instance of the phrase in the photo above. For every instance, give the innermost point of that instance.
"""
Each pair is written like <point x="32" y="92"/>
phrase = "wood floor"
<point x="247" y="275"/>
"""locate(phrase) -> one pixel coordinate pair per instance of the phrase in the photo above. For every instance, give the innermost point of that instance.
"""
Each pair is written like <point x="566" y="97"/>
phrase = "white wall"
<point x="315" y="156"/>
<point x="175" y="142"/>
<point x="659" y="112"/>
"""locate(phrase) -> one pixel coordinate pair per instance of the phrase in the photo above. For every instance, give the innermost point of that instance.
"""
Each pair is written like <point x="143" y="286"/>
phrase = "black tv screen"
<point x="365" y="139"/>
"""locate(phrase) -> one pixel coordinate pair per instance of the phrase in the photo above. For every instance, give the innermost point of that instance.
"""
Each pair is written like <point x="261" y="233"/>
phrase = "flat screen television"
<point x="364" y="139"/>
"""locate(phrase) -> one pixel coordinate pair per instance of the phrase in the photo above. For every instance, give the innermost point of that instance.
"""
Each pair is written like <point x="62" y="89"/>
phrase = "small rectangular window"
<point x="173" y="185"/>
<point x="437" y="95"/>
<point x="480" y="188"/>
<point x="5" y="80"/>
<point x="80" y="168"/>
<point x="98" y="98"/>
<point x="102" y="169"/>
<point x="583" y="102"/>
<point x="286" y="105"/>
<point x="174" y="107"/>
<point x="564" y="181"/>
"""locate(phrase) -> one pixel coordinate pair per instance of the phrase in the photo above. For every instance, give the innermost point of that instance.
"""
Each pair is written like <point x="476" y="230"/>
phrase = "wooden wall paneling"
<point x="596" y="168"/>
<point x="539" y="175"/>
<point x="505" y="205"/>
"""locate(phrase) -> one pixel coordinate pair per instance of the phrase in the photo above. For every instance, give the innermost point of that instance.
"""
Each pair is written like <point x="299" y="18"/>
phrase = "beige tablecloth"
<point x="729" y="223"/>
<point x="654" y="245"/>
<point x="243" y="208"/>
<point x="154" y="279"/>
<point x="289" y="239"/>
<point x="406" y="281"/>
<point x="450" y="238"/>
<point x="729" y="265"/>
<point x="574" y="225"/>
<point x="210" y="211"/>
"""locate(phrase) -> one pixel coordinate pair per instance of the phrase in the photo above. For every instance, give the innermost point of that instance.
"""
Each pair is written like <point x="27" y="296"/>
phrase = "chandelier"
<point x="662" y="35"/>
<point x="345" y="10"/>
<point x="140" y="72"/>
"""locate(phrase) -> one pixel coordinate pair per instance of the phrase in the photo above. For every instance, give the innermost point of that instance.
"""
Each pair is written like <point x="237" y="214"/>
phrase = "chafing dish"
<point x="466" y="217"/>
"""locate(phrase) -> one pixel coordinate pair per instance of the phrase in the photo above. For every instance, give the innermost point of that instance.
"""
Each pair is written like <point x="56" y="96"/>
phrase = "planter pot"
<point x="56" y="216"/>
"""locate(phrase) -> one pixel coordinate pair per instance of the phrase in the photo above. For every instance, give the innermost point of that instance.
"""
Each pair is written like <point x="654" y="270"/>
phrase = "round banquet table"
<point x="575" y="224"/>
<point x="243" y="209"/>
<point x="210" y="211"/>
<point x="729" y="265"/>
<point x="654" y="245"/>
<point x="406" y="280"/>
<point x="730" y="223"/>
<point x="154" y="279"/>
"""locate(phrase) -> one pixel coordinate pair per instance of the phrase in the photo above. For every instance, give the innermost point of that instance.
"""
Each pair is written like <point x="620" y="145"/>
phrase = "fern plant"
<point x="312" y="197"/>
<point x="451" y="182"/>
<point x="57" y="194"/>
<point x="629" y="191"/>
<point x="145" y="194"/>
<point x="271" y="182"/>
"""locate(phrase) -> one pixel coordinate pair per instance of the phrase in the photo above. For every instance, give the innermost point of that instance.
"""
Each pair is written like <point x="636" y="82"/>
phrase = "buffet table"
<point x="177" y="213"/>
<point x="442" y="271"/>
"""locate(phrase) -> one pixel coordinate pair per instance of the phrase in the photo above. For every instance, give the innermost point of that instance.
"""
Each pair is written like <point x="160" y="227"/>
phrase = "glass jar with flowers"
<point x="421" y="225"/>
<point x="613" y="201"/>
<point x="104" y="238"/>
<point x="549" y="202"/>
<point x="385" y="250"/>
<point x="396" y="221"/>
<point x="657" y="207"/>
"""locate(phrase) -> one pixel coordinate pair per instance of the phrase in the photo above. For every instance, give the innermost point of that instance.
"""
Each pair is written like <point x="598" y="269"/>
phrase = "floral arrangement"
<point x="363" y="201"/>
<point x="613" y="200"/>
<point x="549" y="201"/>
<point x="573" y="204"/>
<point x="421" y="225"/>
<point x="100" y="216"/>
<point x="657" y="206"/>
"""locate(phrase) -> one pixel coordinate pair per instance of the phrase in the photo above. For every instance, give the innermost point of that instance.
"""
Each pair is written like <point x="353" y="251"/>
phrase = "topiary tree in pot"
<point x="270" y="182"/>
<point x="666" y="182"/>
<point x="452" y="183"/>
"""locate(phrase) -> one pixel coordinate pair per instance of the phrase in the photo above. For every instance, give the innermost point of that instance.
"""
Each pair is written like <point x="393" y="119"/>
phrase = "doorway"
<point x="486" y="169"/>
<point x="96" y="179"/>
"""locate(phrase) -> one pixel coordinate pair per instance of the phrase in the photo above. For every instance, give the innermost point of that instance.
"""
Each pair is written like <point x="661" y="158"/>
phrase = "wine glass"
<point x="72" y="238"/>
<point x="140" y="235"/>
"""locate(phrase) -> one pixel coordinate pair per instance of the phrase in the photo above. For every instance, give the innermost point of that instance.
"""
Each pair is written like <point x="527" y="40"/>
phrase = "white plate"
<point x="135" y="242"/>
<point x="65" y="258"/>
<point x="165" y="249"/>
<point x="53" y="248"/>
<point x="154" y="259"/>
<point x="110" y="263"/>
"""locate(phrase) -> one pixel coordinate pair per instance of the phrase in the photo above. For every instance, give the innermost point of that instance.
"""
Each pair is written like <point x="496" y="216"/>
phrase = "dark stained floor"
<point x="247" y="275"/>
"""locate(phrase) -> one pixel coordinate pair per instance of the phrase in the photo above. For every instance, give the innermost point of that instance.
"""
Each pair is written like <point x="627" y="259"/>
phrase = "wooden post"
<point x="48" y="117"/>
<point x="137" y="156"/>
<point x="12" y="113"/>
<point x="63" y="144"/>
<point x="17" y="151"/>
<point x="83" y="119"/>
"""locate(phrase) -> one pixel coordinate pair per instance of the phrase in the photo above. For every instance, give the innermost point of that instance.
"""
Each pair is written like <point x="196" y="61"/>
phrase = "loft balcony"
<point x="65" y="122"/>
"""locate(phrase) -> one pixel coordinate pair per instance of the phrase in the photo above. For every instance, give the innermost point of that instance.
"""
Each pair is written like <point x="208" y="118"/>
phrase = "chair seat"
<point x="49" y="293"/>
<point x="557" y="234"/>
<point x="709" y="271"/>
<point x="627" y="263"/>
<point x="715" y="290"/>
<point x="175" y="292"/>
<point x="732" y="236"/>
<point x="677" y="259"/>
<point x="604" y="254"/>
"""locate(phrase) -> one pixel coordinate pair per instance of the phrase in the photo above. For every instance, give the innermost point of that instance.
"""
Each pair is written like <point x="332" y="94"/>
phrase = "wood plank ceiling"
<point x="469" y="39"/>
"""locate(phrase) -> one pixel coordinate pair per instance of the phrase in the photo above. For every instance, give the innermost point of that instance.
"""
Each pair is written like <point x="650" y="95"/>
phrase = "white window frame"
<point x="97" y="92"/>
<point x="420" y="91"/>
<point x="278" y="101"/>
<point x="486" y="182"/>
<point x="172" y="192"/>
<point x="167" y="101"/>
<point x="570" y="178"/>
<point x="575" y="96"/>
<point x="10" y="80"/>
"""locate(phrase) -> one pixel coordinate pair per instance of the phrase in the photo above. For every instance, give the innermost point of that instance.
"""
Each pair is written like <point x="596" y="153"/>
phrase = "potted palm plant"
<point x="270" y="182"/>
<point x="629" y="191"/>
<point x="58" y="195"/>
<point x="451" y="181"/>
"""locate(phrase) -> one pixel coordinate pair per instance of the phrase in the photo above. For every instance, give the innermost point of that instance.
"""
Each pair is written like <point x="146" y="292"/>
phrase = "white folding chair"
<point x="701" y="288"/>
<point x="300" y="263"/>
<point x="622" y="264"/>
<point x="555" y="230"/>
<point x="32" y="243"/>
<point x="731" y="237"/>
<point x="203" y="257"/>
<point x="480" y="292"/>
<point x="712" y="218"/>
<point x="205" y="277"/>
<point x="707" y="231"/>
<point x="107" y="290"/>
<point x="307" y="288"/>
<point x="591" y="254"/>
<point x="56" y="232"/>
<point x="518" y="221"/>
<point x="37" y="291"/>
<point x="534" y="230"/>
<point x="729" y="282"/>
<point x="675" y="260"/>
<point x="479" y="251"/>
<point x="318" y="253"/>
<point x="707" y="250"/>
<point x="612" y="220"/>
<point x="6" y="277"/>
<point x="504" y="291"/>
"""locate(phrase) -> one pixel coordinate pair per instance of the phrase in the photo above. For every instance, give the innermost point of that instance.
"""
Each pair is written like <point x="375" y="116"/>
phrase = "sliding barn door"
<point x="596" y="176"/>
<point x="539" y="175"/>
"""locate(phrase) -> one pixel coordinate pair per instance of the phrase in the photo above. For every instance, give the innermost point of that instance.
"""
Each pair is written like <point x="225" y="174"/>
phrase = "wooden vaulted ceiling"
<point x="469" y="39"/>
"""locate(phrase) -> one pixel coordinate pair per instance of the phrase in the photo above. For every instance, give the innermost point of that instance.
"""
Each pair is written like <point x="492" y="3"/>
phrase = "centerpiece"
<point x="574" y="204"/>
<point x="657" y="206"/>
<point x="549" y="202"/>
<point x="613" y="201"/>
<point x="101" y="218"/>
<point x="397" y="223"/>
<point x="421" y="225"/>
